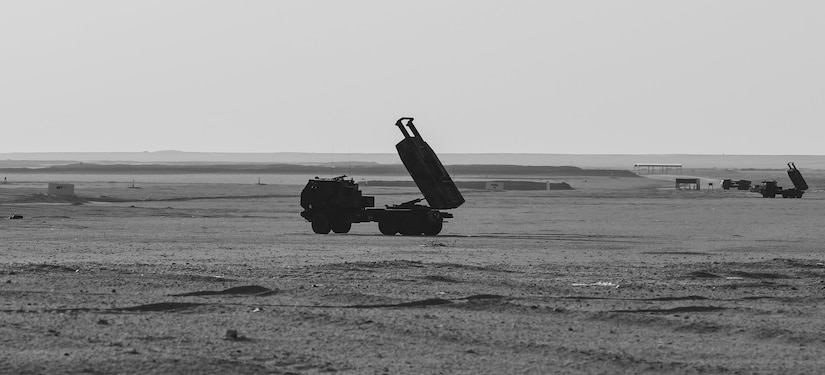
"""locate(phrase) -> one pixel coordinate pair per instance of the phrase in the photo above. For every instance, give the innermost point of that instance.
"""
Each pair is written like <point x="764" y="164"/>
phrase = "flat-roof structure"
<point x="688" y="183"/>
<point x="652" y="168"/>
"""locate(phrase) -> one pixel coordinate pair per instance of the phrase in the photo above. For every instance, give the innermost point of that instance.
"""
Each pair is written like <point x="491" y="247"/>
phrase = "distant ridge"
<point x="364" y="169"/>
<point x="615" y="161"/>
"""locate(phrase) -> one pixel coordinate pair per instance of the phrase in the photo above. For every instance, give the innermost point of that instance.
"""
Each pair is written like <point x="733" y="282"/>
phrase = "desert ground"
<point x="619" y="276"/>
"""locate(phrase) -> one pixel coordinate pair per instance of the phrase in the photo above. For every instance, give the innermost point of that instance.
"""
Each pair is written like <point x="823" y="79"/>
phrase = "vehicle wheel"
<point x="342" y="226"/>
<point x="410" y="226"/>
<point x="388" y="227"/>
<point x="432" y="228"/>
<point x="320" y="224"/>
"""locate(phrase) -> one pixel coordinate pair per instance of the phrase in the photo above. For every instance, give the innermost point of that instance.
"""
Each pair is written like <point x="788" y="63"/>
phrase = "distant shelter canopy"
<point x="652" y="168"/>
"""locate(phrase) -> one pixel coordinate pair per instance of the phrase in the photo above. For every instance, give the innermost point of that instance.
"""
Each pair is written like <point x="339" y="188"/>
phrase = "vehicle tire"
<point x="410" y="226"/>
<point x="388" y="227"/>
<point x="341" y="226"/>
<point x="321" y="224"/>
<point x="432" y="228"/>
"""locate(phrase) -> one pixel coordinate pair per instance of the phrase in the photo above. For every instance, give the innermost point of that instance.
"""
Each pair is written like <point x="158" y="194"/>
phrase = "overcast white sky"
<point x="627" y="77"/>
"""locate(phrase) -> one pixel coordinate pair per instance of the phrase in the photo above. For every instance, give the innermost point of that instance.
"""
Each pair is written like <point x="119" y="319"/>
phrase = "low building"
<point x="687" y="183"/>
<point x="61" y="189"/>
<point x="495" y="186"/>
<point x="653" y="168"/>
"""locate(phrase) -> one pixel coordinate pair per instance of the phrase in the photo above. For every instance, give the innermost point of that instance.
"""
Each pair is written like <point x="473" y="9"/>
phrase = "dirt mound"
<point x="46" y="267"/>
<point x="46" y="198"/>
<point x="238" y="290"/>
<point x="159" y="307"/>
<point x="419" y="303"/>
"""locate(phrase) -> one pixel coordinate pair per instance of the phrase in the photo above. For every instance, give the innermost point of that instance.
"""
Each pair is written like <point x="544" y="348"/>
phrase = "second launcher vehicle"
<point x="770" y="188"/>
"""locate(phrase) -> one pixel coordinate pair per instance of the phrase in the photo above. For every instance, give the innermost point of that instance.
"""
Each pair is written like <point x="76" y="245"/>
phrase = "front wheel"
<point x="321" y="224"/>
<point x="342" y="226"/>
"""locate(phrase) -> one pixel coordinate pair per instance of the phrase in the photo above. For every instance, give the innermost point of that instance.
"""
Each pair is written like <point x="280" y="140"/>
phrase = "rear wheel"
<point x="320" y="224"/>
<point x="432" y="228"/>
<point x="410" y="226"/>
<point x="388" y="227"/>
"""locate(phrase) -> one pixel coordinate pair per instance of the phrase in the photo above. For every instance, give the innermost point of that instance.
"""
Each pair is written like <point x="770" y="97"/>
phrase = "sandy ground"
<point x="618" y="276"/>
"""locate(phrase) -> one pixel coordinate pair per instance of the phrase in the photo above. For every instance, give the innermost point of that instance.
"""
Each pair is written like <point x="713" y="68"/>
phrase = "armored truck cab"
<point x="333" y="204"/>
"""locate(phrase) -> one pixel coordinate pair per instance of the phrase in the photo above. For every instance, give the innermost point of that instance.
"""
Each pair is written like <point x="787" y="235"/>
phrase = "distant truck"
<point x="728" y="184"/>
<point x="770" y="188"/>
<point x="334" y="204"/>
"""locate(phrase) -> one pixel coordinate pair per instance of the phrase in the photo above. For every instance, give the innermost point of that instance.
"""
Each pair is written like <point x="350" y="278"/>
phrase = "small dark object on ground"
<point x="232" y="335"/>
<point x="15" y="217"/>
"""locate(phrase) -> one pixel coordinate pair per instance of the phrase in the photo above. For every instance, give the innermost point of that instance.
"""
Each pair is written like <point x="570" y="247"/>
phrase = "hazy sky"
<point x="628" y="77"/>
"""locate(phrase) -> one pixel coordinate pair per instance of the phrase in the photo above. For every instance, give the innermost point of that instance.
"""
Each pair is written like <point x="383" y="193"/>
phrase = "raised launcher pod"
<point x="426" y="170"/>
<point x="796" y="177"/>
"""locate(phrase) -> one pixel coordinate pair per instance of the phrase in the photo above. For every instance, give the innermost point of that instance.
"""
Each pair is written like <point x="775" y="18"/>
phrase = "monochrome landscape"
<point x="156" y="155"/>
<point x="208" y="269"/>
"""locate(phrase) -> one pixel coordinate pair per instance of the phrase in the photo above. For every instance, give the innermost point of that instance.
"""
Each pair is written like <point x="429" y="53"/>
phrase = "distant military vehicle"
<point x="770" y="188"/>
<point x="334" y="204"/>
<point x="728" y="184"/>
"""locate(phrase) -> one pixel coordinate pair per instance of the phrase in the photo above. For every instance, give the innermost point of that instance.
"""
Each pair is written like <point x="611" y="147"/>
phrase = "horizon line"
<point x="383" y="153"/>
